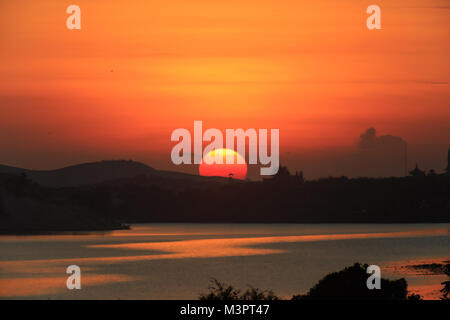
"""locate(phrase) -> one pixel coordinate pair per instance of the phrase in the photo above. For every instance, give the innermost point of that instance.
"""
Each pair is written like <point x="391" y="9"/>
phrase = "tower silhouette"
<point x="448" y="162"/>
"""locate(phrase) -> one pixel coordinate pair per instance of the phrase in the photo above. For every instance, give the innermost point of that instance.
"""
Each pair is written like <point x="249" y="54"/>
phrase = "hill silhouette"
<point x="108" y="194"/>
<point x="96" y="172"/>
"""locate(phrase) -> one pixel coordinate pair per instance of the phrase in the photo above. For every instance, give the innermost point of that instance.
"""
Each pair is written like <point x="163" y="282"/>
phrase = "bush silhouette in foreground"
<point x="221" y="291"/>
<point x="347" y="284"/>
<point x="446" y="289"/>
<point x="350" y="284"/>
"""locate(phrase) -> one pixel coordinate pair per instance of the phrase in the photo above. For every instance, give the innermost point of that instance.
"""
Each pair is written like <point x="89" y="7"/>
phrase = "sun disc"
<point x="215" y="164"/>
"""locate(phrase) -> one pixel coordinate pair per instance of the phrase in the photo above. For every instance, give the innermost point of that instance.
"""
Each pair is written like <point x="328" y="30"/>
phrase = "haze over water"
<point x="176" y="261"/>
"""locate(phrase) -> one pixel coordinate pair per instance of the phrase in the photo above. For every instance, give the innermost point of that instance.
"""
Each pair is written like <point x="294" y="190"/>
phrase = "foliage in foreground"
<point x="221" y="291"/>
<point x="347" y="284"/>
<point x="350" y="284"/>
<point x="446" y="289"/>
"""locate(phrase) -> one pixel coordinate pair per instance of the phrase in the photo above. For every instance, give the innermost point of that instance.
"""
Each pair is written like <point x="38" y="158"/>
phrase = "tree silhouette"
<point x="221" y="291"/>
<point x="350" y="284"/>
<point x="347" y="284"/>
<point x="446" y="290"/>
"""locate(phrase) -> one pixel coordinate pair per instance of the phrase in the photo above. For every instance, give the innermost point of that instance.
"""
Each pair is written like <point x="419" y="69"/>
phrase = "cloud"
<point x="371" y="156"/>
<point x="369" y="140"/>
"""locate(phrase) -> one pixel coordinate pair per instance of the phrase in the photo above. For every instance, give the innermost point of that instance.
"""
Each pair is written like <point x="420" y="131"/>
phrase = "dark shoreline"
<point x="105" y="230"/>
<point x="25" y="232"/>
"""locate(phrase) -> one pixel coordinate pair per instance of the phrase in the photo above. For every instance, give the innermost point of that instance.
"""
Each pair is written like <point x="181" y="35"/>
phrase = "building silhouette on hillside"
<point x="417" y="172"/>
<point x="283" y="176"/>
<point x="421" y="173"/>
<point x="447" y="170"/>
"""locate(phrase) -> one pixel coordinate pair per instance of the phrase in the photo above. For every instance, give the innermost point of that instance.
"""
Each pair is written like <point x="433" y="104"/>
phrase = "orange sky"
<point x="139" y="69"/>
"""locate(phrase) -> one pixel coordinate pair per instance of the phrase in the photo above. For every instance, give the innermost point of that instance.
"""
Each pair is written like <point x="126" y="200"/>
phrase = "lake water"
<point x="177" y="261"/>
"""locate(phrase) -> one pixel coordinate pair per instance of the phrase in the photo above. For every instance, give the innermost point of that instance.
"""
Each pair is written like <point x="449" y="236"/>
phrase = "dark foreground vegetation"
<point x="446" y="289"/>
<point x="26" y="206"/>
<point x="347" y="284"/>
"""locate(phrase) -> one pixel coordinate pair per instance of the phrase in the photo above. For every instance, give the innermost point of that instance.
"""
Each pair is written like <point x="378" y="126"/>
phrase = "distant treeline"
<point x="148" y="198"/>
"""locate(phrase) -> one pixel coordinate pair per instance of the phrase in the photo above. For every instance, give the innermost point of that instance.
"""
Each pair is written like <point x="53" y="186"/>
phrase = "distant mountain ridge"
<point x="92" y="173"/>
<point x="108" y="194"/>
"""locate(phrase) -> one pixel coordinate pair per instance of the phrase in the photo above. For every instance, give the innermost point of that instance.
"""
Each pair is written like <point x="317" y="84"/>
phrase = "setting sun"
<point x="209" y="167"/>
